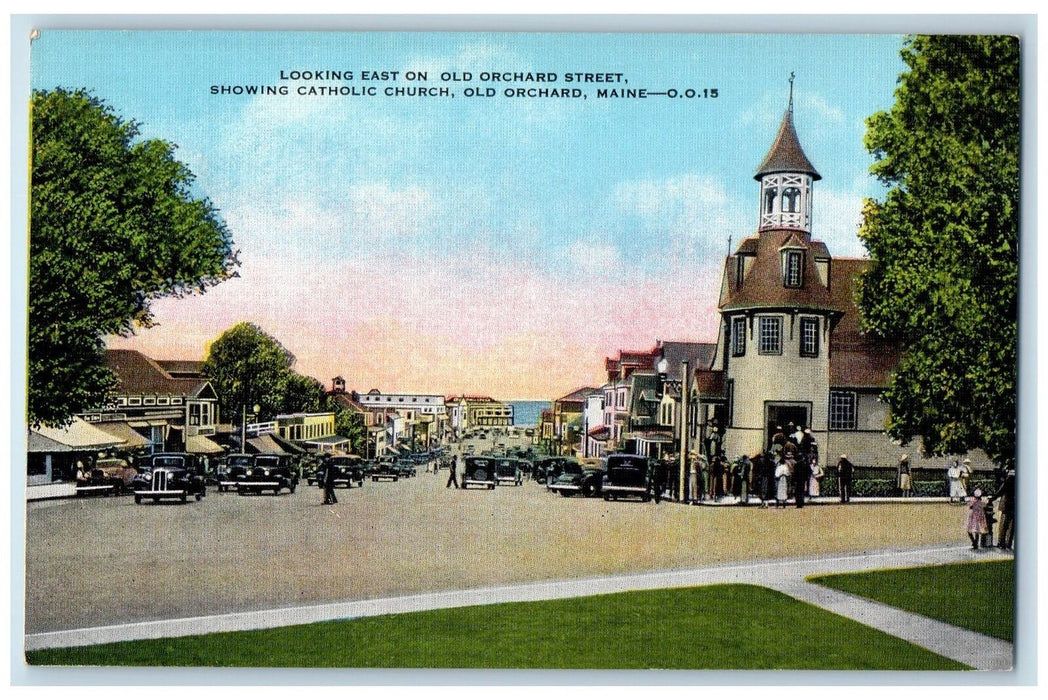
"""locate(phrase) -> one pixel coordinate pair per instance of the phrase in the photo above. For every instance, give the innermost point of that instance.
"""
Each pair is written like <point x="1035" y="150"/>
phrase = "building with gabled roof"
<point x="790" y="346"/>
<point x="168" y="404"/>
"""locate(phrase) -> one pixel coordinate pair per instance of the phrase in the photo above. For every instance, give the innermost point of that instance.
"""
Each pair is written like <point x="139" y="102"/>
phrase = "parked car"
<point x="386" y="468"/>
<point x="109" y="477"/>
<point x="235" y="469"/>
<point x="549" y="468"/>
<point x="508" y="471"/>
<point x="349" y="469"/>
<point x="269" y="472"/>
<point x="177" y="475"/>
<point x="627" y="475"/>
<point x="406" y="467"/>
<point x="575" y="478"/>
<point x="479" y="471"/>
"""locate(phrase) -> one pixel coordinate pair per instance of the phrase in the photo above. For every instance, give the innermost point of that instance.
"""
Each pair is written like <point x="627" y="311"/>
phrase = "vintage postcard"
<point x="552" y="351"/>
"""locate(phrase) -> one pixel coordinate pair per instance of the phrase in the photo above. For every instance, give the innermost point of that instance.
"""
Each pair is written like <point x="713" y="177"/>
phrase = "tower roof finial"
<point x="789" y="107"/>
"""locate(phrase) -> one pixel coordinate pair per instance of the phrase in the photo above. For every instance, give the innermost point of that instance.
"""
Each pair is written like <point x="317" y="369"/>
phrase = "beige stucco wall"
<point x="785" y="378"/>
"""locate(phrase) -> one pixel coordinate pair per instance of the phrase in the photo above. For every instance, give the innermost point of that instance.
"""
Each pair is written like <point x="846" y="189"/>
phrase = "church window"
<point x="769" y="199"/>
<point x="809" y="337"/>
<point x="792" y="272"/>
<point x="738" y="336"/>
<point x="770" y="339"/>
<point x="791" y="199"/>
<point x="842" y="410"/>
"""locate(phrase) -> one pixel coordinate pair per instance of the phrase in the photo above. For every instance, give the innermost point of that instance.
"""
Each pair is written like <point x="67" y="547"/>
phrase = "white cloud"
<point x="837" y="215"/>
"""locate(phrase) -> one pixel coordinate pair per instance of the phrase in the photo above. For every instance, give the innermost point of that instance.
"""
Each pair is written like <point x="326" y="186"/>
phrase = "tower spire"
<point x="789" y="107"/>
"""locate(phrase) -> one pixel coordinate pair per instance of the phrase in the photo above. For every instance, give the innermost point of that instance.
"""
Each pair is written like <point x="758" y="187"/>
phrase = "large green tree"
<point x="945" y="241"/>
<point x="113" y="225"/>
<point x="247" y="366"/>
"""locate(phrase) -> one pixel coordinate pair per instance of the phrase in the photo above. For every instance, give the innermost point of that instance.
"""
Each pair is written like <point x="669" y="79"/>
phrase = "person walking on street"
<point x="1006" y="493"/>
<point x="844" y="478"/>
<point x="905" y="483"/>
<point x="453" y="476"/>
<point x="975" y="522"/>
<point x="329" y="485"/>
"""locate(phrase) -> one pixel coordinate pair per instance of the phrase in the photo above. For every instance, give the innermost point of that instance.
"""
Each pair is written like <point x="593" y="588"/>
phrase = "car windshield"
<point x="240" y="461"/>
<point x="571" y="468"/>
<point x="343" y="462"/>
<point x="179" y="462"/>
<point x="268" y="462"/>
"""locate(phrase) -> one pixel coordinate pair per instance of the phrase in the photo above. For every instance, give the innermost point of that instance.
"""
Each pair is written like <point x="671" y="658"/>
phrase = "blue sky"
<point x="495" y="245"/>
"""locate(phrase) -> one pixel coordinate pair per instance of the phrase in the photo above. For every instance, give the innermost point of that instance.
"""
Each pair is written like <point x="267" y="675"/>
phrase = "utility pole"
<point x="684" y="403"/>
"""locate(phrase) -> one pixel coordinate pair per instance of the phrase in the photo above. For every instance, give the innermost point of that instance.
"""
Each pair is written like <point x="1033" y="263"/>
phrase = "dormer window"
<point x="792" y="267"/>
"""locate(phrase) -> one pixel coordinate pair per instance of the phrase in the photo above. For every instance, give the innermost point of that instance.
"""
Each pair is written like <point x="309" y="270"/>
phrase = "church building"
<point x="790" y="348"/>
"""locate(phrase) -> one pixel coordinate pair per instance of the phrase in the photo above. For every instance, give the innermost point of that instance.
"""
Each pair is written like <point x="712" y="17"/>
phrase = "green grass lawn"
<point x="710" y="627"/>
<point x="979" y="596"/>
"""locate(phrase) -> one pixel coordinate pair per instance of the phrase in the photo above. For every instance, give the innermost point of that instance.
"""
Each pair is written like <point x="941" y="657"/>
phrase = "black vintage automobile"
<point x="170" y="475"/>
<point x="349" y="470"/>
<point x="509" y="471"/>
<point x="407" y="467"/>
<point x="387" y="468"/>
<point x="269" y="472"/>
<point x="576" y="478"/>
<point x="479" y="471"/>
<point x="235" y="469"/>
<point x="628" y="475"/>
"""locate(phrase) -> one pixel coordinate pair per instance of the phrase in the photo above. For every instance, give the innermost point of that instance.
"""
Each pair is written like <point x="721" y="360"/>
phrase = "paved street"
<point x="105" y="561"/>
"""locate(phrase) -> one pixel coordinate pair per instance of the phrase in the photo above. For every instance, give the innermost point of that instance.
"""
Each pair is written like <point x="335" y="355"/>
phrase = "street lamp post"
<point x="243" y="424"/>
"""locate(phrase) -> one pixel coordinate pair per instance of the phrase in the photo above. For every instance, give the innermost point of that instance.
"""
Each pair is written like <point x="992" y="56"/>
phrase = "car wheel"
<point x="360" y="484"/>
<point x="291" y="489"/>
<point x="645" y="498"/>
<point x="566" y="493"/>
<point x="491" y="487"/>
<point x="199" y="495"/>
<point x="138" y="499"/>
<point x="589" y="489"/>
<point x="156" y="499"/>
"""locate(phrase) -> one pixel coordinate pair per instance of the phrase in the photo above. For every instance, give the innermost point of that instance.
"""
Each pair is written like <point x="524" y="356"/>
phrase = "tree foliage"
<point x="945" y="242"/>
<point x="247" y="366"/>
<point x="113" y="226"/>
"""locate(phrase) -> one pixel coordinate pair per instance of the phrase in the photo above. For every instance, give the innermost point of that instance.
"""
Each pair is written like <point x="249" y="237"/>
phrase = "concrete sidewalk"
<point x="785" y="575"/>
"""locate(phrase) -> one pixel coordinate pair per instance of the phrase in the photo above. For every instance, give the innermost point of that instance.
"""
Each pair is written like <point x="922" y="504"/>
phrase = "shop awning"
<point x="156" y="423"/>
<point x="329" y="441"/>
<point x="198" y="444"/>
<point x="266" y="444"/>
<point x="122" y="431"/>
<point x="78" y="436"/>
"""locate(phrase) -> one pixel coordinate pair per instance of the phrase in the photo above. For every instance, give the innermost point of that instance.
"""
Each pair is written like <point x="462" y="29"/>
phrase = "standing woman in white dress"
<point x="953" y="475"/>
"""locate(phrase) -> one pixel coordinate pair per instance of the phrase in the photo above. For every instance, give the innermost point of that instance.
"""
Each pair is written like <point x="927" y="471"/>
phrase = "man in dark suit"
<point x="329" y="485"/>
<point x="453" y="476"/>
<point x="801" y="474"/>
<point x="844" y="478"/>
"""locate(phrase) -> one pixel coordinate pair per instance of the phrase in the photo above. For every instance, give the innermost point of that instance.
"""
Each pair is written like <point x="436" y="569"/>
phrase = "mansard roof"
<point x="762" y="286"/>
<point x="786" y="154"/>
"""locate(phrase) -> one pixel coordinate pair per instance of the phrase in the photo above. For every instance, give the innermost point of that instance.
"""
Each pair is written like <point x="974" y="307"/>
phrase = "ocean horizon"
<point x="528" y="412"/>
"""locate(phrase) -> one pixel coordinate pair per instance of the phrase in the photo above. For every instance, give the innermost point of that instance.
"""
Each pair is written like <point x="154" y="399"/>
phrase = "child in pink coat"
<point x="976" y="520"/>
